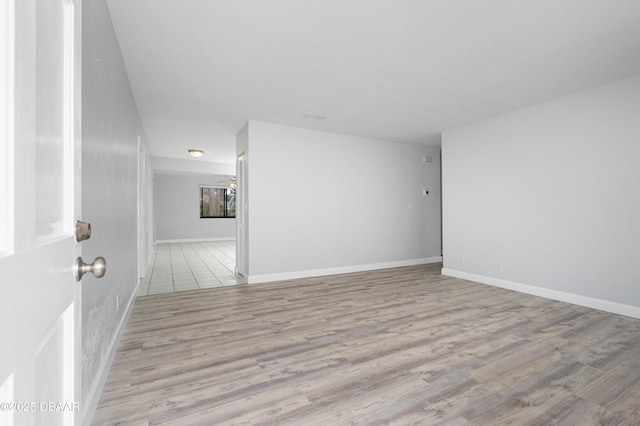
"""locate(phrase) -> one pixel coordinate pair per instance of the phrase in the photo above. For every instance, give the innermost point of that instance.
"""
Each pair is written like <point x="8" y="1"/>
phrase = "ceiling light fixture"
<point x="196" y="153"/>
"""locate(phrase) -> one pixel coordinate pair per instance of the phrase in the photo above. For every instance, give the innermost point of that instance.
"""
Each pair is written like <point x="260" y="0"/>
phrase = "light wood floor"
<point x="398" y="346"/>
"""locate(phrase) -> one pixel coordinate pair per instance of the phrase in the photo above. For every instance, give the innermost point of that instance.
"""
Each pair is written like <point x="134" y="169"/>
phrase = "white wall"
<point x="552" y="193"/>
<point x="326" y="203"/>
<point x="177" y="207"/>
<point x="110" y="130"/>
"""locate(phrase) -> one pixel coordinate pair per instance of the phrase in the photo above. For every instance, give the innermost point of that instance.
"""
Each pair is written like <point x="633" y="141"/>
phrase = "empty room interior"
<point x="356" y="212"/>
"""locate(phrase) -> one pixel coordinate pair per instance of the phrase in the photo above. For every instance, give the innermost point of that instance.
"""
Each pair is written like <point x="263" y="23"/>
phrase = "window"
<point x="217" y="202"/>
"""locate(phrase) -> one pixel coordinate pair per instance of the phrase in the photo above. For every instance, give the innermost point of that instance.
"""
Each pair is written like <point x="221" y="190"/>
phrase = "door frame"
<point x="242" y="258"/>
<point x="7" y="48"/>
<point x="142" y="210"/>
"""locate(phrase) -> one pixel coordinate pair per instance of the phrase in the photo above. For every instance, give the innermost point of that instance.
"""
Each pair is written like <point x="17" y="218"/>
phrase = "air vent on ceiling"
<point x="314" y="116"/>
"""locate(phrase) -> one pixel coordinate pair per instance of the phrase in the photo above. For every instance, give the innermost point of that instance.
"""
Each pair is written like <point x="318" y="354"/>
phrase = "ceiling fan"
<point x="230" y="182"/>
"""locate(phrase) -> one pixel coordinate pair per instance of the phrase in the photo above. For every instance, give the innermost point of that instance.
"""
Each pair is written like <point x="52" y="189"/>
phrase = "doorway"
<point x="242" y="264"/>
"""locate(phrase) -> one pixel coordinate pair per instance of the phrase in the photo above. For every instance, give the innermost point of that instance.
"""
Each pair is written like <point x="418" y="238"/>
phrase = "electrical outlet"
<point x="500" y="266"/>
<point x="462" y="260"/>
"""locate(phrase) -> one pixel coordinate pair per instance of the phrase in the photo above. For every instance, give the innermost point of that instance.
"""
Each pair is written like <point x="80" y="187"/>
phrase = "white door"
<point x="39" y="189"/>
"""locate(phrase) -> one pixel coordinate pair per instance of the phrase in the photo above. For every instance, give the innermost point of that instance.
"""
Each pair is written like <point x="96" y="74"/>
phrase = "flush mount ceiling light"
<point x="196" y="153"/>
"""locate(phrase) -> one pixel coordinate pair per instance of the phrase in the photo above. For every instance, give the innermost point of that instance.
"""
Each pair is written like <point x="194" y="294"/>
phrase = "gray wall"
<point x="110" y="130"/>
<point x="177" y="208"/>
<point x="551" y="193"/>
<point x="324" y="203"/>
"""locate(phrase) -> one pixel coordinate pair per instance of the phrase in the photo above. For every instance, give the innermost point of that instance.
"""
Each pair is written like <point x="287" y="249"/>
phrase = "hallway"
<point x="190" y="266"/>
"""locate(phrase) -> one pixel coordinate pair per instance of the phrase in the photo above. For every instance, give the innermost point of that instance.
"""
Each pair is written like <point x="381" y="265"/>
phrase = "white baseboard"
<point x="194" y="240"/>
<point x="93" y="398"/>
<point x="255" y="279"/>
<point x="576" y="299"/>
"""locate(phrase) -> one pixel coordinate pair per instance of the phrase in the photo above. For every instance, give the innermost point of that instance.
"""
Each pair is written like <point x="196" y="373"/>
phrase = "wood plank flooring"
<point x="399" y="346"/>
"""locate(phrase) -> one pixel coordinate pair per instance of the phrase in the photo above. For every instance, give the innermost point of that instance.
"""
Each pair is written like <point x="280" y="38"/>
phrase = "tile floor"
<point x="190" y="266"/>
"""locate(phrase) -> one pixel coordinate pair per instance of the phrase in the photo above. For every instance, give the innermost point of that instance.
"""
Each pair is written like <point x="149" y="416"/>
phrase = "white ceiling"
<point x="398" y="70"/>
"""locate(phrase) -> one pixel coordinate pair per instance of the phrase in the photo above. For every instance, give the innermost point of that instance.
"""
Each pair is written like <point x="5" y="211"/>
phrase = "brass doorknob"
<point x="98" y="268"/>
